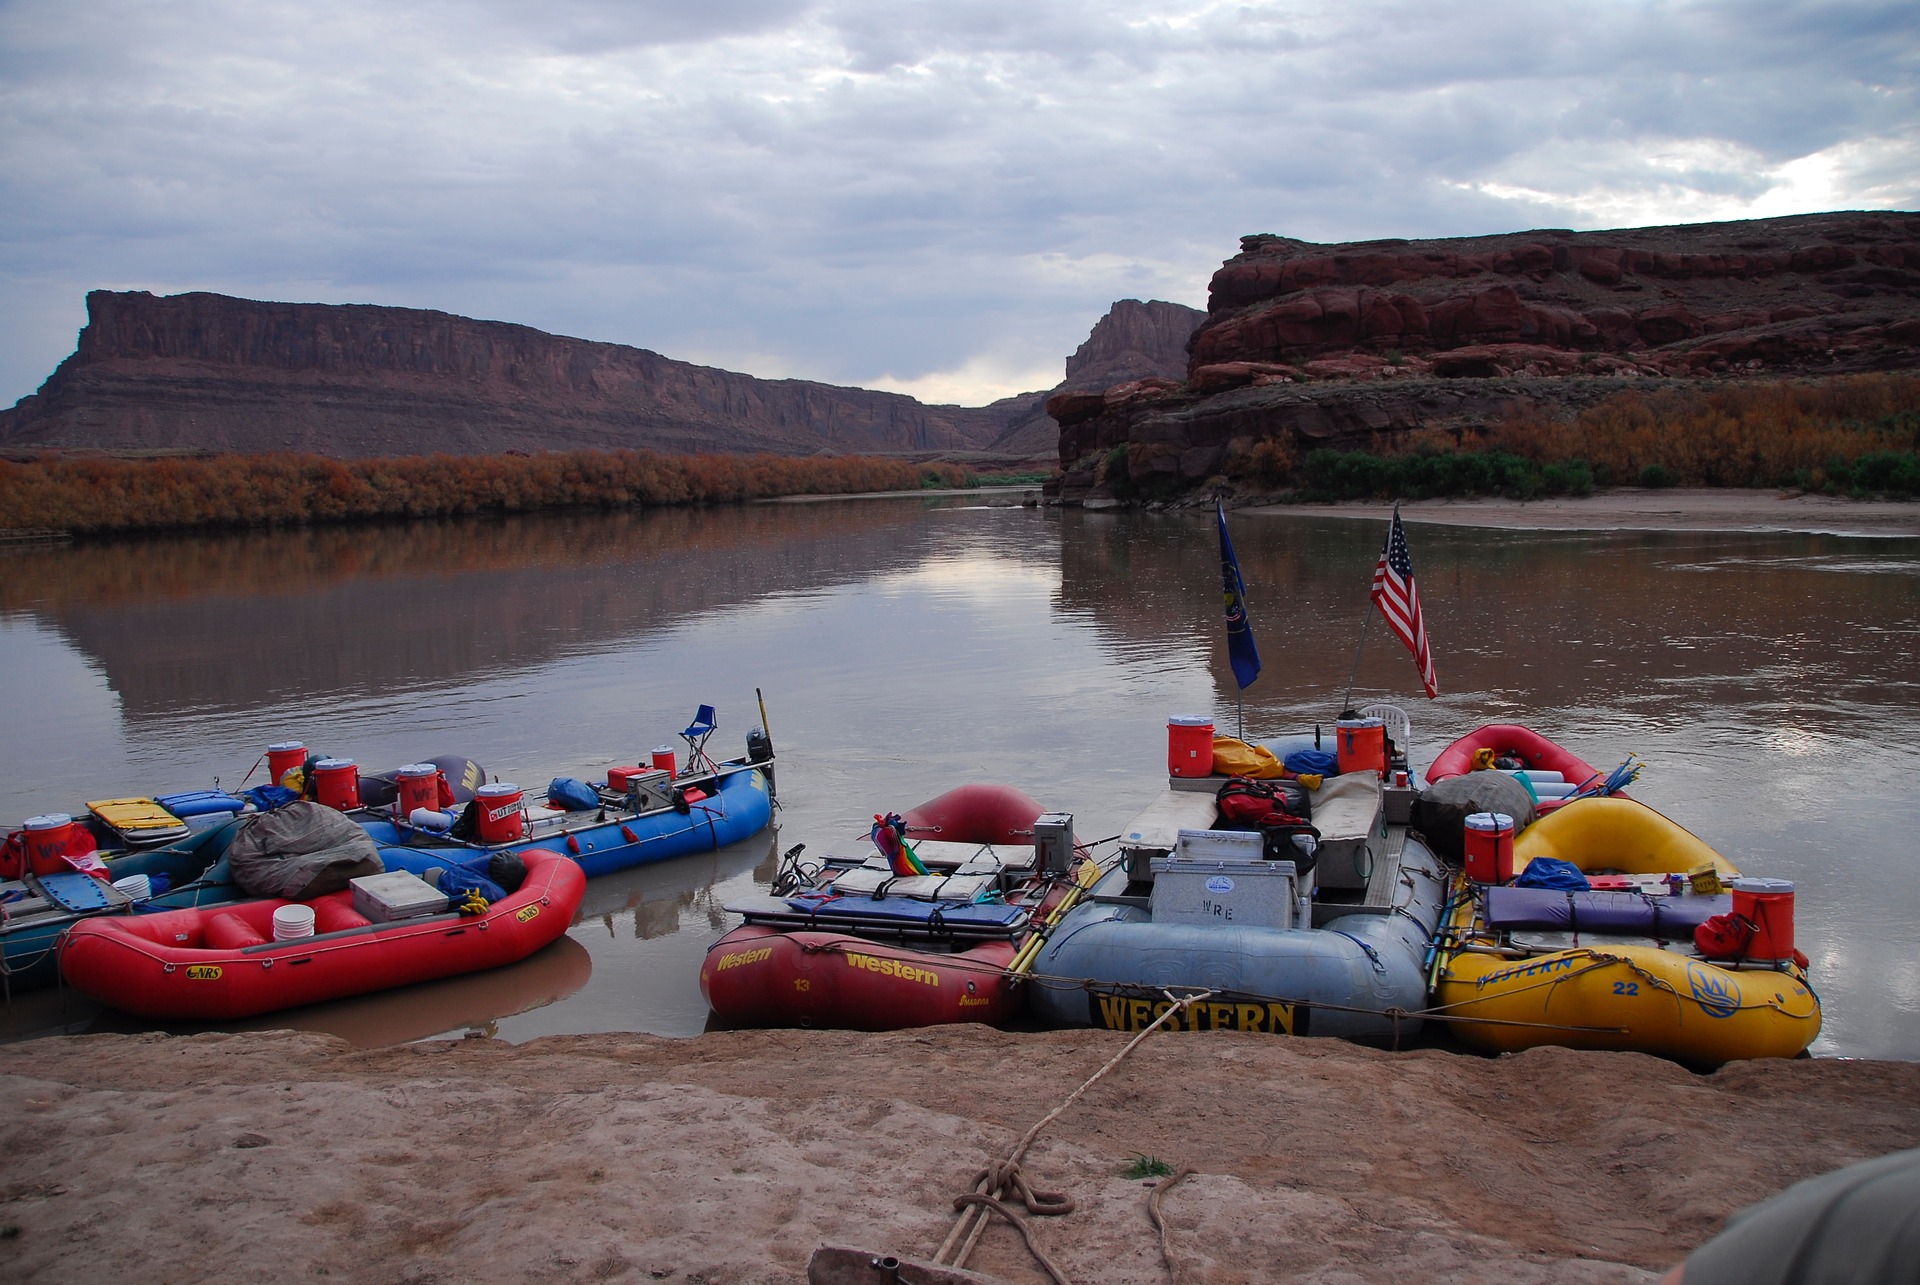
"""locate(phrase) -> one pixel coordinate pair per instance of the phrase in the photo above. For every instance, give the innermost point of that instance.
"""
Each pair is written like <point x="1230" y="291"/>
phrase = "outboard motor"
<point x="760" y="752"/>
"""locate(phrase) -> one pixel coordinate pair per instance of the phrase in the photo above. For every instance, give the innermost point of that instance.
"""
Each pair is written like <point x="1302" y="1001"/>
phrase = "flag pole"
<point x="1354" y="674"/>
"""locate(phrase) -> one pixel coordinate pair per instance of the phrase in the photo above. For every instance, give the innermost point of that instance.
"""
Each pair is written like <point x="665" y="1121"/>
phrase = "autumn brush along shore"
<point x="96" y="495"/>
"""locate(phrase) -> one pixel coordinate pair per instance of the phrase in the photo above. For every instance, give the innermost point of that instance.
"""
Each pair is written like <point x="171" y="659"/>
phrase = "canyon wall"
<point x="1336" y="344"/>
<point x="213" y="373"/>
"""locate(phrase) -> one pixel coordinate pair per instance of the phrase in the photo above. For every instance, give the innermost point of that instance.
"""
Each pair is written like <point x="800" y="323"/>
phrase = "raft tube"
<point x="741" y="806"/>
<point x="1628" y="995"/>
<point x="1360" y="977"/>
<point x="221" y="962"/>
<point x="759" y="975"/>
<point x="1510" y="740"/>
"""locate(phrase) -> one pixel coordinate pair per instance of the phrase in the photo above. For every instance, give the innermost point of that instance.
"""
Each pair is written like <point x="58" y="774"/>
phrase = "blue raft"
<point x="606" y="839"/>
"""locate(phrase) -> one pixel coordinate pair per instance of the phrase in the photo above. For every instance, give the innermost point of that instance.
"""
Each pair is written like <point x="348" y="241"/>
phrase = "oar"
<point x="1088" y="874"/>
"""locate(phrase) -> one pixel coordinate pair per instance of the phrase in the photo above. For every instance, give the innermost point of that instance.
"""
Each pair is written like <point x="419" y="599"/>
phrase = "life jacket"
<point x="1261" y="804"/>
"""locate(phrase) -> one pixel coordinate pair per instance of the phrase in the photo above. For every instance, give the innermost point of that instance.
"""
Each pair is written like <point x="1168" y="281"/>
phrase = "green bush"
<point x="1656" y="476"/>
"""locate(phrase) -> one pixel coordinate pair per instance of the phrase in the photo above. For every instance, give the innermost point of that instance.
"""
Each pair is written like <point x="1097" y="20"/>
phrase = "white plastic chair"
<point x="1399" y="726"/>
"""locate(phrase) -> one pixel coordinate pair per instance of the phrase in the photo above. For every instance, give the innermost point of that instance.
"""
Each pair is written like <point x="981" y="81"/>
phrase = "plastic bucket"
<point x="283" y="757"/>
<point x="1489" y="847"/>
<point x="419" y="786"/>
<point x="47" y="838"/>
<point x="1768" y="905"/>
<point x="1360" y="745"/>
<point x="501" y="817"/>
<point x="1189" y="746"/>
<point x="139" y="887"/>
<point x="292" y="922"/>
<point x="336" y="783"/>
<point x="663" y="759"/>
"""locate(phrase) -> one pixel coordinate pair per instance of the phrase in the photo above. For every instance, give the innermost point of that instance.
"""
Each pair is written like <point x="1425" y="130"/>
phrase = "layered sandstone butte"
<point x="213" y="373"/>
<point x="1333" y="344"/>
<point x="1135" y="340"/>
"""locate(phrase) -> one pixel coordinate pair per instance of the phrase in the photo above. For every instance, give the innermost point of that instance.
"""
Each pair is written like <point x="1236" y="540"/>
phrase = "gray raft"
<point x="1338" y="951"/>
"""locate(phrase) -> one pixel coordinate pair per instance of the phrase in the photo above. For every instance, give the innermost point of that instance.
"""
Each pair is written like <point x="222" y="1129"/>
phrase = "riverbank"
<point x="731" y="1156"/>
<point x="1634" y="509"/>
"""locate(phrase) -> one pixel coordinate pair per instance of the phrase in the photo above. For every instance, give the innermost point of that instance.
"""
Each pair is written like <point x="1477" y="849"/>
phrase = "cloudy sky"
<point x="939" y="197"/>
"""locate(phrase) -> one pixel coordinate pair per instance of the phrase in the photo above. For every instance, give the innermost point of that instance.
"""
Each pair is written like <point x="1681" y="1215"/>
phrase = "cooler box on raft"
<point x="396" y="894"/>
<point x="1218" y="878"/>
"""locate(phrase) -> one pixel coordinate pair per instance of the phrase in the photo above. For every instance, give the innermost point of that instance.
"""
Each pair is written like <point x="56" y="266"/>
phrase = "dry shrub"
<point x="1749" y="434"/>
<point x="102" y="495"/>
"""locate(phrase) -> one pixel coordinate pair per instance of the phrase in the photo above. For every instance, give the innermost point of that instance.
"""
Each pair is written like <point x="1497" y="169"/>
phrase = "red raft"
<point x="1510" y="740"/>
<point x="219" y="962"/>
<point x="793" y="964"/>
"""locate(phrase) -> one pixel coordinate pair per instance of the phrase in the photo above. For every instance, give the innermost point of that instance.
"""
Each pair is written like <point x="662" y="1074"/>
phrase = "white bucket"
<point x="139" y="887"/>
<point x="291" y="923"/>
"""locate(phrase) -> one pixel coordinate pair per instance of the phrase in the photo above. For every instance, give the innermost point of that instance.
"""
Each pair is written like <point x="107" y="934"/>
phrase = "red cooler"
<point x="1768" y="905"/>
<point x="663" y="759"/>
<point x="1189" y="746"/>
<point x="336" y="783"/>
<point x="283" y="757"/>
<point x="47" y="839"/>
<point x="419" y="785"/>
<point x="501" y="818"/>
<point x="1360" y="744"/>
<point x="1489" y="845"/>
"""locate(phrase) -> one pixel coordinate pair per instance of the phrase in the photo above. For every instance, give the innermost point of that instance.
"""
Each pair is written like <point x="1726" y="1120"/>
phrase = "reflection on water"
<point x="906" y="646"/>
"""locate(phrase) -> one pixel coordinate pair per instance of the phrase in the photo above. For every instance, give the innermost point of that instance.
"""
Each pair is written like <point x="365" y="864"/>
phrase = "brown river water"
<point x="1772" y="683"/>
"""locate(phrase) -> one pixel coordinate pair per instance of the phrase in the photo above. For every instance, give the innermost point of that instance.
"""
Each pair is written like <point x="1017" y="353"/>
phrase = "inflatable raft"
<point x="42" y="906"/>
<point x="1615" y="967"/>
<point x="651" y="822"/>
<point x="852" y="942"/>
<point x="1336" y="947"/>
<point x="222" y="962"/>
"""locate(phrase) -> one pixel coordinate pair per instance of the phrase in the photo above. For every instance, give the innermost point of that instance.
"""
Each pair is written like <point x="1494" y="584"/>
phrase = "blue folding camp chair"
<point x="704" y="721"/>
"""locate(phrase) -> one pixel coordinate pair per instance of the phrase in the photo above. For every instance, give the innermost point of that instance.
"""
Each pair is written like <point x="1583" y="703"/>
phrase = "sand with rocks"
<point x="729" y="1157"/>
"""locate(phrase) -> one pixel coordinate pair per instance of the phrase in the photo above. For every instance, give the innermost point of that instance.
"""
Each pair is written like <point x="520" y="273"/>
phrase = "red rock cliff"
<point x="210" y="372"/>
<point x="1333" y="344"/>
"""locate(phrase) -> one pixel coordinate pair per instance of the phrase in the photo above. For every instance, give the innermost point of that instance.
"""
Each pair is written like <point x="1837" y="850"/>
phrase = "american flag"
<point x="1399" y="602"/>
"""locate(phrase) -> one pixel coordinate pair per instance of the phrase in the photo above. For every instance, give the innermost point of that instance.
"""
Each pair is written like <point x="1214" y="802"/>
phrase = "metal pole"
<point x="1355" y="673"/>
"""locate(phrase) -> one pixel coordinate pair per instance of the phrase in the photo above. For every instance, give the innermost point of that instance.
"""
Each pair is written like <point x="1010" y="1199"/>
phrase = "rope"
<point x="969" y="1226"/>
<point x="1159" y="1223"/>
<point x="972" y="1200"/>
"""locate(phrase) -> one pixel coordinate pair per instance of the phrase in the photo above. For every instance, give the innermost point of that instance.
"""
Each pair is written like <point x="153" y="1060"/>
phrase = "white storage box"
<point x="396" y="894"/>
<point x="1227" y="892"/>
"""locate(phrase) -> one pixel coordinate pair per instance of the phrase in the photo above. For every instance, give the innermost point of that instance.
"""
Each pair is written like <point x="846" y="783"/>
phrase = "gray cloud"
<point x="860" y="190"/>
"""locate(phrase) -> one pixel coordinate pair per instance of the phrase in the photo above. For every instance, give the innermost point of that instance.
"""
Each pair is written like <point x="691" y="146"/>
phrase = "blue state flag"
<point x="1241" y="652"/>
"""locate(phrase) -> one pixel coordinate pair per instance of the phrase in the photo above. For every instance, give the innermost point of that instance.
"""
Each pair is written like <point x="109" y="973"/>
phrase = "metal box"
<point x="1203" y="883"/>
<point x="650" y="789"/>
<point x="1348" y="815"/>
<point x="1396" y="802"/>
<point x="1053" y="842"/>
<point x="396" y="894"/>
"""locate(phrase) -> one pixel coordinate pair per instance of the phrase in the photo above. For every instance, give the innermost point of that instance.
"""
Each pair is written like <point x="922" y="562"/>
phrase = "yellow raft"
<point x="1614" y="992"/>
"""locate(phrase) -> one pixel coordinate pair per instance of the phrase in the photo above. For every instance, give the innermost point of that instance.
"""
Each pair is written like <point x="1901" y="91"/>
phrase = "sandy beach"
<point x="1632" y="509"/>
<point x="729" y="1157"/>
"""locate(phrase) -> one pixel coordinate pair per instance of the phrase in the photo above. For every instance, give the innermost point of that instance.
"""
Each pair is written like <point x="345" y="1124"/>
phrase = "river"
<point x="903" y="646"/>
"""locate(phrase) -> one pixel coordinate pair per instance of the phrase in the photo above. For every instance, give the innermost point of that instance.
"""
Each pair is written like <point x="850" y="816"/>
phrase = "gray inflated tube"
<point x="1107" y="964"/>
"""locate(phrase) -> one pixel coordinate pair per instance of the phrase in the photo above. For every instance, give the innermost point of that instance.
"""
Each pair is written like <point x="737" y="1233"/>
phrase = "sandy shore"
<point x="1630" y="509"/>
<point x="730" y="1157"/>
